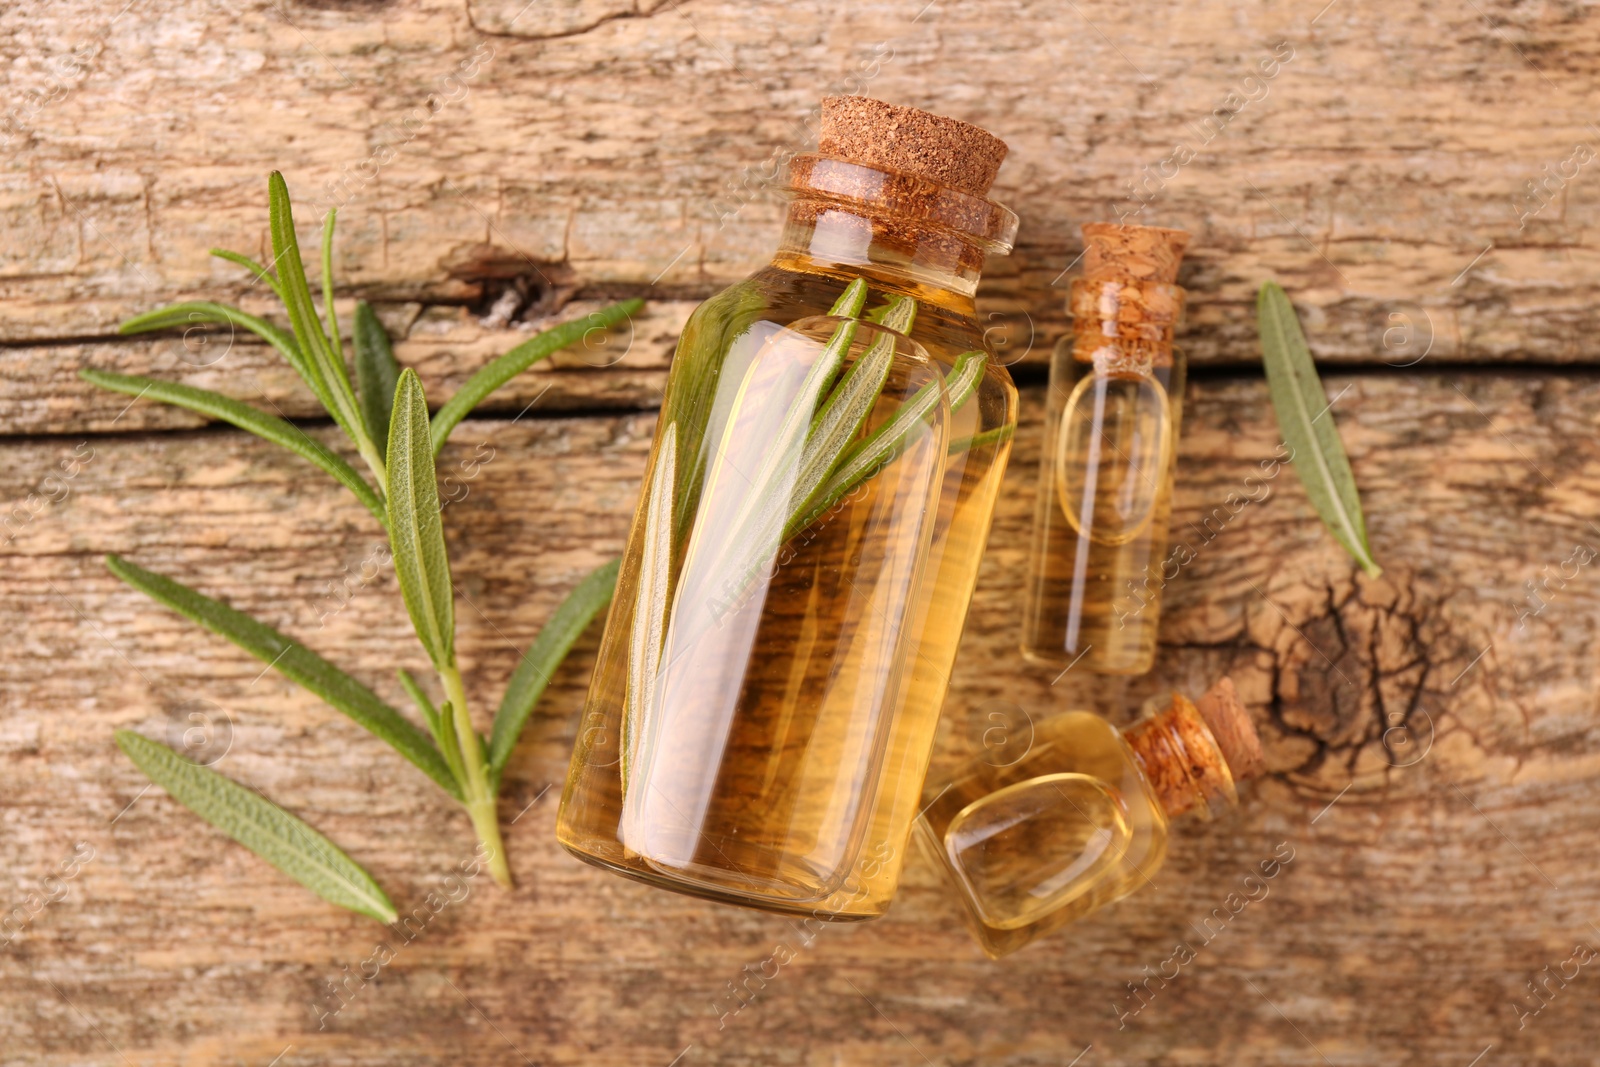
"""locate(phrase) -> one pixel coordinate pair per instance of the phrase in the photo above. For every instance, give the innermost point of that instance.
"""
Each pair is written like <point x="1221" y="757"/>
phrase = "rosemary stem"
<point x="480" y="798"/>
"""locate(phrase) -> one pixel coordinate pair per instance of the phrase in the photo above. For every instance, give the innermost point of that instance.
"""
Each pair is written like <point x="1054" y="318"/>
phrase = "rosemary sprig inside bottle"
<point x="814" y="459"/>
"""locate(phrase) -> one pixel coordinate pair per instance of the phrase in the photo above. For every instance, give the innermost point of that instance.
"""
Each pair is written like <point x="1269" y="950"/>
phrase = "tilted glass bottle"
<point x="1081" y="819"/>
<point x="1111" y="431"/>
<point x="819" y="491"/>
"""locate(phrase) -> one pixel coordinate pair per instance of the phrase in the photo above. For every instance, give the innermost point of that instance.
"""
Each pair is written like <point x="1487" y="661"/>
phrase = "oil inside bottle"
<point x="1111" y="426"/>
<point x="773" y="770"/>
<point x="1111" y="455"/>
<point x="1040" y="842"/>
<point x="1030" y="848"/>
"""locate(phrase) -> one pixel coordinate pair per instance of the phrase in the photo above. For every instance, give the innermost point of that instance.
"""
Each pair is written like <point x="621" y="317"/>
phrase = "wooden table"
<point x="1431" y="736"/>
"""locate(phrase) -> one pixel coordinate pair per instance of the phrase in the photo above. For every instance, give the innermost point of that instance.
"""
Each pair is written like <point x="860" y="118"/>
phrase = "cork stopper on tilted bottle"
<point x="1126" y="305"/>
<point x="1194" y="753"/>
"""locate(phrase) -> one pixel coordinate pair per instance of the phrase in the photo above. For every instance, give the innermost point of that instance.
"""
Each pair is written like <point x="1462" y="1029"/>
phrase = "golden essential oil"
<point x="1080" y="820"/>
<point x="819" y="492"/>
<point x="1112" y="414"/>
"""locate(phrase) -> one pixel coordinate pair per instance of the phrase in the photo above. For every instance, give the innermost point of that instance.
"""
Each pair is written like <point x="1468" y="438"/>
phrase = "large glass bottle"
<point x="820" y="487"/>
<point x="1111" y="430"/>
<point x="1081" y="819"/>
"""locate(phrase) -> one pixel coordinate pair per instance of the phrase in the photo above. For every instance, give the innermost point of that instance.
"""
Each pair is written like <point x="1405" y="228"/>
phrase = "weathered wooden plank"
<point x="174" y="947"/>
<point x="1380" y="173"/>
<point x="623" y="369"/>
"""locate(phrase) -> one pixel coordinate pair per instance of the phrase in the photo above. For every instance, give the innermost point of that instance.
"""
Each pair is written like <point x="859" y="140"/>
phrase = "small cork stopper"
<point x="911" y="141"/>
<point x="1125" y="307"/>
<point x="1113" y="252"/>
<point x="1187" y="761"/>
<point x="1230" y="724"/>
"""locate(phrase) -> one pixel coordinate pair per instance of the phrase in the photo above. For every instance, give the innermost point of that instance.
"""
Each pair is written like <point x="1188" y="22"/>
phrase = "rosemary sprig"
<point x="384" y="414"/>
<point x="1301" y="404"/>
<point x="814" y="458"/>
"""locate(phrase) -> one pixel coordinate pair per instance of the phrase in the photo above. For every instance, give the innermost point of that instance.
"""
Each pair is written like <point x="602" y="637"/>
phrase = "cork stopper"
<point x="911" y="141"/>
<point x="1125" y="308"/>
<point x="1113" y="252"/>
<point x="1230" y="724"/>
<point x="1187" y="761"/>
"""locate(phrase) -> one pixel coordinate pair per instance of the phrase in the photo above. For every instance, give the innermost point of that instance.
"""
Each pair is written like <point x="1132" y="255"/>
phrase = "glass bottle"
<point x="824" y="470"/>
<point x="1111" y="431"/>
<point x="1081" y="819"/>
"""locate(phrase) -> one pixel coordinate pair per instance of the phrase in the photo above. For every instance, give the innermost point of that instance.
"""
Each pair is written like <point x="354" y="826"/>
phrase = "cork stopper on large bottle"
<point x="1194" y="753"/>
<point x="910" y="141"/>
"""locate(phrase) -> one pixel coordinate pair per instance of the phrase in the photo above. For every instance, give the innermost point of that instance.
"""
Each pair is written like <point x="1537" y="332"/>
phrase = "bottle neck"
<point x="847" y="241"/>
<point x="1182" y="760"/>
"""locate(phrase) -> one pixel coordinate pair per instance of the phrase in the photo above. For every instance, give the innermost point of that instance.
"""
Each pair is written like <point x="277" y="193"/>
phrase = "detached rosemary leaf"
<point x="533" y="672"/>
<point x="269" y="427"/>
<point x="519" y="359"/>
<point x="1308" y="426"/>
<point x="261" y="826"/>
<point x="376" y="371"/>
<point x="252" y="266"/>
<point x="415" y="528"/>
<point x="195" y="312"/>
<point x="296" y="663"/>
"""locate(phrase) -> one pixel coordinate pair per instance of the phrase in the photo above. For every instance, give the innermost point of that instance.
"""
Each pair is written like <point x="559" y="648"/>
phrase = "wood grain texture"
<point x="628" y="147"/>
<point x="1431" y="736"/>
<point x="620" y="369"/>
<point x="1416" y="906"/>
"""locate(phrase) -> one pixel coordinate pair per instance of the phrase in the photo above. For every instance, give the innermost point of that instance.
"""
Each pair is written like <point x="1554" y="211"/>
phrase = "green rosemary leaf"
<point x="194" y="312"/>
<point x="252" y="266"/>
<point x="415" y="528"/>
<point x="328" y="377"/>
<point x="851" y="301"/>
<point x="979" y="440"/>
<point x="261" y="826"/>
<point x="296" y="663"/>
<point x="533" y="672"/>
<point x="965" y="374"/>
<point x="885" y="444"/>
<point x="270" y="427"/>
<point x="837" y="424"/>
<point x="898" y="314"/>
<point x="336" y="344"/>
<point x="1308" y="428"/>
<point x="519" y="359"/>
<point x="430" y="714"/>
<point x="376" y="371"/>
<point x="444" y="735"/>
<point x="791" y="433"/>
<point x="652" y="605"/>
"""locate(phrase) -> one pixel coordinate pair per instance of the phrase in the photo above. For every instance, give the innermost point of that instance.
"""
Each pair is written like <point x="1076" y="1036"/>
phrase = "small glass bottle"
<point x="1081" y="819"/>
<point x="1111" y="432"/>
<point x="830" y="446"/>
